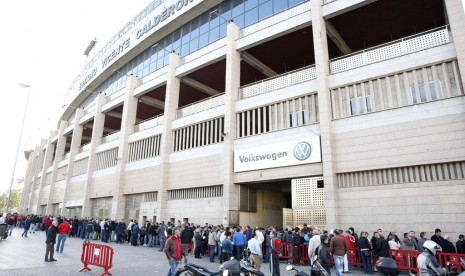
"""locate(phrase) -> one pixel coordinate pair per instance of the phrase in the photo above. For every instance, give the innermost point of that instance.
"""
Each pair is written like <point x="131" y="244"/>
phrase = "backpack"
<point x="277" y="246"/>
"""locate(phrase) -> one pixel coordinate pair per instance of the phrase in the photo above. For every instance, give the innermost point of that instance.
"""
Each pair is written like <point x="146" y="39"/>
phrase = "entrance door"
<point x="288" y="218"/>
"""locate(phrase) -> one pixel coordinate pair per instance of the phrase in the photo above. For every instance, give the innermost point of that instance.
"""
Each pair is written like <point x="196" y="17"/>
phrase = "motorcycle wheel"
<point x="187" y="273"/>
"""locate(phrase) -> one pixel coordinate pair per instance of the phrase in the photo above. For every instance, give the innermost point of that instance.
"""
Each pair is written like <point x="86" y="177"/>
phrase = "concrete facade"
<point x="392" y="132"/>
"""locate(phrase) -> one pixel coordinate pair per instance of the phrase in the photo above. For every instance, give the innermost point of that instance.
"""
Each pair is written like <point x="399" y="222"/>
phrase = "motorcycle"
<point x="3" y="231"/>
<point x="229" y="268"/>
<point x="317" y="269"/>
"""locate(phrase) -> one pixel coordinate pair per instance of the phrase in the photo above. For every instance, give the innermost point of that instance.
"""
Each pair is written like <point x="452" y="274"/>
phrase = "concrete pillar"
<point x="171" y="105"/>
<point x="60" y="149"/>
<point x="320" y="43"/>
<point x="232" y="84"/>
<point x="97" y="131"/>
<point x="75" y="144"/>
<point x="128" y="119"/>
<point x="27" y="185"/>
<point x="456" y="17"/>
<point x="35" y="182"/>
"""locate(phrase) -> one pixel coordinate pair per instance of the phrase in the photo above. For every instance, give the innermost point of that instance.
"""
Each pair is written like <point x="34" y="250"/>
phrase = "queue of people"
<point x="219" y="243"/>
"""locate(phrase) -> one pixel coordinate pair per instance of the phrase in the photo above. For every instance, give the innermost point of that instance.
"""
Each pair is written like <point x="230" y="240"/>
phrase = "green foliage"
<point x="15" y="200"/>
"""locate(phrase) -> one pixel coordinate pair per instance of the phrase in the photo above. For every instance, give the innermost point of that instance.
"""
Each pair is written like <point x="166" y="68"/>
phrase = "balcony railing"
<point x="401" y="47"/>
<point x="111" y="137"/>
<point x="90" y="109"/>
<point x="85" y="147"/>
<point x="149" y="123"/>
<point x="287" y="79"/>
<point x="202" y="105"/>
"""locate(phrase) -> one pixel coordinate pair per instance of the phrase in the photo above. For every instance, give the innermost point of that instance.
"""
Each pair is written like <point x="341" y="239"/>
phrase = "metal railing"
<point x="280" y="81"/>
<point x="397" y="48"/>
<point x="200" y="106"/>
<point x="149" y="123"/>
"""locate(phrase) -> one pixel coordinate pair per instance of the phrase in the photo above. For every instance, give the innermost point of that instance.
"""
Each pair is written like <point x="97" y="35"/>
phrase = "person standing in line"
<point x="63" y="231"/>
<point x="460" y="244"/>
<point x="130" y="224"/>
<point x="239" y="243"/>
<point x="365" y="252"/>
<point x="226" y="247"/>
<point x="255" y="249"/>
<point x="276" y="246"/>
<point x="338" y="249"/>
<point x="27" y="225"/>
<point x="89" y="230"/>
<point x="186" y="238"/>
<point x="161" y="231"/>
<point x="212" y="240"/>
<point x="323" y="253"/>
<point x="173" y="252"/>
<point x="50" y="241"/>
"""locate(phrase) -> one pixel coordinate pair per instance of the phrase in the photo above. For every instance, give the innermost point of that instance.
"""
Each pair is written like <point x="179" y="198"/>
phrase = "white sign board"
<point x="291" y="153"/>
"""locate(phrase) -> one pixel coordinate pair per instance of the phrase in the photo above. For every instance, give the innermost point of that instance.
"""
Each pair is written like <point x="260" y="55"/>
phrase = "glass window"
<point x="368" y="101"/>
<point x="203" y="40"/>
<point x="421" y="87"/>
<point x="432" y="88"/>
<point x="250" y="4"/>
<point x="237" y="7"/>
<point x="185" y="49"/>
<point x="214" y="34"/>
<point x="204" y="23"/>
<point x="194" y="45"/>
<point x="265" y="10"/>
<point x="251" y="17"/>
<point x="279" y="5"/>
<point x="195" y="28"/>
<point x="293" y="3"/>
<point x="414" y="95"/>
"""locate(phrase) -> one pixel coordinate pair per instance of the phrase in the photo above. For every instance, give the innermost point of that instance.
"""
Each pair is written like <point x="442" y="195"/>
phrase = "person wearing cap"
<point x="173" y="251"/>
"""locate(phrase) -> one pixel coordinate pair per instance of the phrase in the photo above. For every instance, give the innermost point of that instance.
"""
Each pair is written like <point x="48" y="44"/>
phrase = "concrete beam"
<point x="257" y="64"/>
<point x="337" y="38"/>
<point x="152" y="102"/>
<point x="199" y="86"/>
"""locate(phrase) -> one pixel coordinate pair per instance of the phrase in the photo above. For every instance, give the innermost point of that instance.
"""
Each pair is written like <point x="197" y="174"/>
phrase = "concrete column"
<point x="60" y="149"/>
<point x="97" y="131"/>
<point x="320" y="43"/>
<point x="456" y="17"/>
<point x="171" y="105"/>
<point x="75" y="144"/>
<point x="35" y="182"/>
<point x="27" y="185"/>
<point x="232" y="84"/>
<point x="128" y="119"/>
<point x="49" y="150"/>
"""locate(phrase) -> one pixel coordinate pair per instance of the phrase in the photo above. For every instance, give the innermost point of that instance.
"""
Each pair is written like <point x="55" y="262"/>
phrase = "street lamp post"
<point x="18" y="145"/>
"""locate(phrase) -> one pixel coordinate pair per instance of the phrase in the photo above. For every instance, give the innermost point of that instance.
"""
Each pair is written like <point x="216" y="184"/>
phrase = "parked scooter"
<point x="229" y="268"/>
<point x="297" y="272"/>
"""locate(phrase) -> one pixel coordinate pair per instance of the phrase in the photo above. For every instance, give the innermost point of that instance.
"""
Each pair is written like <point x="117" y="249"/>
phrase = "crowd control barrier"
<point x="98" y="255"/>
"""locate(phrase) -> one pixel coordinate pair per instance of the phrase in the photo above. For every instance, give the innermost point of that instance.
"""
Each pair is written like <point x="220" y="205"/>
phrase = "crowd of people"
<point x="218" y="243"/>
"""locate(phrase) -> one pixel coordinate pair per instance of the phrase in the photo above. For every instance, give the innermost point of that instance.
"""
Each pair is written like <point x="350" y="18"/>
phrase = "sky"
<point x="43" y="45"/>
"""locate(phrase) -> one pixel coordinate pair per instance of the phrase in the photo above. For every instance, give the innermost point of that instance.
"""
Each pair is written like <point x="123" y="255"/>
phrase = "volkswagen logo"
<point x="302" y="151"/>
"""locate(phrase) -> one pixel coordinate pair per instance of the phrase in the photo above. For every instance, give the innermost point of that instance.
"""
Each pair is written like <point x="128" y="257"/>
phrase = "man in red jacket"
<point x="350" y="241"/>
<point x="63" y="231"/>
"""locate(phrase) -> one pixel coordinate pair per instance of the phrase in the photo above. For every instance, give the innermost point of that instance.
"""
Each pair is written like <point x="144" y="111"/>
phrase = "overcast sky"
<point x="42" y="46"/>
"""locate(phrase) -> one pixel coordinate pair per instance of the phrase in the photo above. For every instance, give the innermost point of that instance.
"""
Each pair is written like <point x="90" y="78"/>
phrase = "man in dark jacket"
<point x="382" y="247"/>
<point x="365" y="252"/>
<point x="26" y="225"/>
<point x="186" y="238"/>
<point x="50" y="241"/>
<point x="460" y="244"/>
<point x="323" y="253"/>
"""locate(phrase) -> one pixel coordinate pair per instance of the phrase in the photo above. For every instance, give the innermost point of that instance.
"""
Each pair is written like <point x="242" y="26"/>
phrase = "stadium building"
<point x="266" y="112"/>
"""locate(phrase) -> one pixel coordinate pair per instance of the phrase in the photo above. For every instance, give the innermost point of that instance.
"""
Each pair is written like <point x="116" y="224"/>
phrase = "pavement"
<point x="25" y="256"/>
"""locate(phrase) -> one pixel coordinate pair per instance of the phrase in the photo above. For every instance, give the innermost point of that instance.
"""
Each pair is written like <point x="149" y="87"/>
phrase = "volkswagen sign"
<point x="302" y="151"/>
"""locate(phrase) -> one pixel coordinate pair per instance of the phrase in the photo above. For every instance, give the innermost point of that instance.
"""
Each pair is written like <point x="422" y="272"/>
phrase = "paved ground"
<point x="25" y="256"/>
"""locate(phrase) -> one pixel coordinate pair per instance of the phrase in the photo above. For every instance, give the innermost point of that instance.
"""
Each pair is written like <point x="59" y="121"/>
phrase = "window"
<point x="357" y="105"/>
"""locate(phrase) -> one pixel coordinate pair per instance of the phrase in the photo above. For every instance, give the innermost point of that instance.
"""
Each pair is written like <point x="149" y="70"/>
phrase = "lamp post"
<point x="18" y="145"/>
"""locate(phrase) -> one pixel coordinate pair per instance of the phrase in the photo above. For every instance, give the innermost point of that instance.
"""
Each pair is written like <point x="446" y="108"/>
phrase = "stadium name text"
<point x="88" y="78"/>
<point x="117" y="51"/>
<point x="165" y="14"/>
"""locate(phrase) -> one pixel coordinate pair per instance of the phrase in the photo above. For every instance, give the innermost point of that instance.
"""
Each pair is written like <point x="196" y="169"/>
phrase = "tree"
<point x="15" y="200"/>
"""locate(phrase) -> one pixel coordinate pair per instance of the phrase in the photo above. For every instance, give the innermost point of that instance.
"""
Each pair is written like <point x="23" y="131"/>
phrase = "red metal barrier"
<point x="287" y="252"/>
<point x="457" y="260"/>
<point x="304" y="256"/>
<point x="98" y="255"/>
<point x="406" y="259"/>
